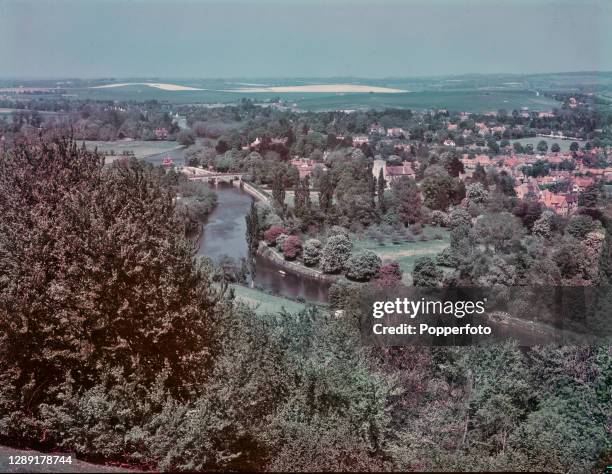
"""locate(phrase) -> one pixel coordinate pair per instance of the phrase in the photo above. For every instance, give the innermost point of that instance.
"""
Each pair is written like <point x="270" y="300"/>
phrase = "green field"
<point x="406" y="253"/>
<point x="141" y="149"/>
<point x="564" y="144"/>
<point x="466" y="99"/>
<point x="263" y="303"/>
<point x="462" y="100"/>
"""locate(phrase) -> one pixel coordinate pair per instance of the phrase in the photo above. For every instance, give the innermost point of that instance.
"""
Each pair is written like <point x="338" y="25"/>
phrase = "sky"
<point x="301" y="38"/>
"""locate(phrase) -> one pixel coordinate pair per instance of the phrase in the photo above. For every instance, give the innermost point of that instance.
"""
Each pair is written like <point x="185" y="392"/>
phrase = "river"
<point x="225" y="234"/>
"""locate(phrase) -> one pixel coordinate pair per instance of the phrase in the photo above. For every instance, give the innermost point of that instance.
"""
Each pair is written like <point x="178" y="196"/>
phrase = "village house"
<point x="304" y="166"/>
<point x="482" y="128"/>
<point x="562" y="204"/>
<point x="359" y="140"/>
<point x="377" y="129"/>
<point x="396" y="172"/>
<point x="392" y="173"/>
<point x="396" y="132"/>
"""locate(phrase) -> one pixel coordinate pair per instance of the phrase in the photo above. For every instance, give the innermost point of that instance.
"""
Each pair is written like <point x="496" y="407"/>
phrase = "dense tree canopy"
<point x="97" y="278"/>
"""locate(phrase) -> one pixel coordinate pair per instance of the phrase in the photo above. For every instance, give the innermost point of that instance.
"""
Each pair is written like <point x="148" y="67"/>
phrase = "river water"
<point x="225" y="234"/>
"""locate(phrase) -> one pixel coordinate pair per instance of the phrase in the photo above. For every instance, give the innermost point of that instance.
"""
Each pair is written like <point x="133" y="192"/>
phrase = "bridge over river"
<point x="235" y="179"/>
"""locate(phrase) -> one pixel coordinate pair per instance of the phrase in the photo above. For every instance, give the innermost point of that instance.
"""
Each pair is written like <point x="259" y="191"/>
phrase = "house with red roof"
<point x="393" y="173"/>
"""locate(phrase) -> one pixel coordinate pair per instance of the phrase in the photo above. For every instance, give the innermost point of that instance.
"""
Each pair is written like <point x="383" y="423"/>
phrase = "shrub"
<point x="543" y="226"/>
<point x="292" y="247"/>
<point x="476" y="193"/>
<point x="408" y="237"/>
<point x="396" y="238"/>
<point x="337" y="230"/>
<point x="425" y="273"/>
<point x="335" y="254"/>
<point x="273" y="233"/>
<point x="416" y="229"/>
<point x="341" y="293"/>
<point x="280" y="240"/>
<point x="447" y="258"/>
<point x="459" y="217"/>
<point x="362" y="266"/>
<point x="580" y="225"/>
<point x="390" y="273"/>
<point x="312" y="252"/>
<point x="439" y="218"/>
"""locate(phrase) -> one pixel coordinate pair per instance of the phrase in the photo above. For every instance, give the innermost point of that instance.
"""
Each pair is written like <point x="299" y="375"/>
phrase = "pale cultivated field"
<point x="331" y="88"/>
<point x="155" y="85"/>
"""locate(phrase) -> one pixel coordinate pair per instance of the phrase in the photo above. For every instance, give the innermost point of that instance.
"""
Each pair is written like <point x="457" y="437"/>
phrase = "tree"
<point x="502" y="231"/>
<point x="480" y="175"/>
<point x="555" y="148"/>
<point x="222" y="147"/>
<point x="380" y="192"/>
<point x="292" y="247"/>
<point x="425" y="273"/>
<point x="312" y="252"/>
<point x="590" y="197"/>
<point x="574" y="147"/>
<point x="408" y="198"/>
<point x="543" y="226"/>
<point x="459" y="217"/>
<point x="272" y="234"/>
<point x="326" y="192"/>
<point x="335" y="254"/>
<point x="186" y="138"/>
<point x="362" y="266"/>
<point x="302" y="196"/>
<point x="97" y="283"/>
<point x="390" y="273"/>
<point x="477" y="194"/>
<point x="252" y="230"/>
<point x="542" y="146"/>
<point x="518" y="147"/>
<point x="278" y="188"/>
<point x="528" y="210"/>
<point x="437" y="188"/>
<point x="453" y="164"/>
<point x="579" y="226"/>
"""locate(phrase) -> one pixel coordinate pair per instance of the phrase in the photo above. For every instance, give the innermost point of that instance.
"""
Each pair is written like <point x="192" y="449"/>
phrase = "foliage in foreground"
<point x="109" y="347"/>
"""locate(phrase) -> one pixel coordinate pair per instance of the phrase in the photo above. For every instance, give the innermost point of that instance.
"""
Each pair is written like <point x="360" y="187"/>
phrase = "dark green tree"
<point x="381" y="184"/>
<point x="252" y="229"/>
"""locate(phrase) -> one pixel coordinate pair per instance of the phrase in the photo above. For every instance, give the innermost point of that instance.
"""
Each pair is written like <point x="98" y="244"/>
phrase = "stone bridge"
<point x="235" y="179"/>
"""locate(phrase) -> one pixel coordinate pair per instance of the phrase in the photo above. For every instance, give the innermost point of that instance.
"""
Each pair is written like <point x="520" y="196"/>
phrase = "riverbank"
<point x="253" y="191"/>
<point x="265" y="303"/>
<point x="269" y="253"/>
